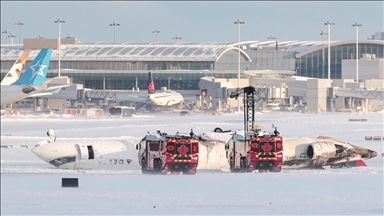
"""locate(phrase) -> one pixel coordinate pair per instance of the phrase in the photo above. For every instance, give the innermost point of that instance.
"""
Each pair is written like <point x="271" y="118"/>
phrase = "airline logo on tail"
<point x="36" y="73"/>
<point x="15" y="72"/>
<point x="151" y="84"/>
<point x="37" y="69"/>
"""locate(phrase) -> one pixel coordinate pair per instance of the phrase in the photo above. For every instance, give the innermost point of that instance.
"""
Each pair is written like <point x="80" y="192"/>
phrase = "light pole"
<point x="114" y="24"/>
<point x="59" y="21"/>
<point x="19" y="23"/>
<point x="11" y="36"/>
<point x="322" y="33"/>
<point x="156" y="31"/>
<point x="6" y="31"/>
<point x="357" y="25"/>
<point x="329" y="23"/>
<point x="273" y="38"/>
<point x="177" y="38"/>
<point x="238" y="22"/>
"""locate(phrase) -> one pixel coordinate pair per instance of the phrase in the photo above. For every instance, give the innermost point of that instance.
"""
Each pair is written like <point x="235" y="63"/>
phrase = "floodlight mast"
<point x="19" y="23"/>
<point x="156" y="31"/>
<point x="59" y="21"/>
<point x="238" y="22"/>
<point x="329" y="23"/>
<point x="114" y="24"/>
<point x="322" y="33"/>
<point x="357" y="25"/>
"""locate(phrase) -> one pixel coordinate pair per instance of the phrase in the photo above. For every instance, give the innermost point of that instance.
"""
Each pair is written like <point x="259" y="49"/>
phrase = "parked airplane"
<point x="162" y="99"/>
<point x="149" y="99"/>
<point x="304" y="152"/>
<point x="15" y="72"/>
<point x="32" y="81"/>
<point x="298" y="153"/>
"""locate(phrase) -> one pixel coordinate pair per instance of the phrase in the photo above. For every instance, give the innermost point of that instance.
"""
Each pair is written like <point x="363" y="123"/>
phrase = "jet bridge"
<point x="377" y="94"/>
<point x="116" y="95"/>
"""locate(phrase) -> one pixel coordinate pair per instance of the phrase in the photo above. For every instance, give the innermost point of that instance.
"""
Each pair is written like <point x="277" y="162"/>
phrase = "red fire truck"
<point x="163" y="153"/>
<point x="253" y="149"/>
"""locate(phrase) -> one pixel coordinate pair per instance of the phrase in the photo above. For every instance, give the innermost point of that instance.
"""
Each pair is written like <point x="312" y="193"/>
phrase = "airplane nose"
<point x="41" y="153"/>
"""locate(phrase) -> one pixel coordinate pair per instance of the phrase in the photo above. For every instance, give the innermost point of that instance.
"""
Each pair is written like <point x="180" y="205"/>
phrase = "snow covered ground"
<point x="32" y="186"/>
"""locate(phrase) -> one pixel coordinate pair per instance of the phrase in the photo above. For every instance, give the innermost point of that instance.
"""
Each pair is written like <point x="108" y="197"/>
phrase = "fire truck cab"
<point x="252" y="149"/>
<point x="163" y="153"/>
<point x="259" y="151"/>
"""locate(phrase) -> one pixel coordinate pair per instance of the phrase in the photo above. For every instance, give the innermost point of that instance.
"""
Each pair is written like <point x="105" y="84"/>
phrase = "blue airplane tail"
<point x="36" y="73"/>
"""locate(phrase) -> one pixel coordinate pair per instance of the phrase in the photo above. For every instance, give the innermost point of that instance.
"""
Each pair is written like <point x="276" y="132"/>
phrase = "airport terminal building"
<point x="125" y="66"/>
<point x="179" y="66"/>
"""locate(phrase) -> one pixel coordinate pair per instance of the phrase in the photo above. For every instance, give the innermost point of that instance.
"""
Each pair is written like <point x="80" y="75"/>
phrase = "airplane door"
<point x="82" y="151"/>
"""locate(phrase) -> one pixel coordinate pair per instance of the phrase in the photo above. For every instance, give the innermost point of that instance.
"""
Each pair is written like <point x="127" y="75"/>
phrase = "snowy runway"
<point x="32" y="186"/>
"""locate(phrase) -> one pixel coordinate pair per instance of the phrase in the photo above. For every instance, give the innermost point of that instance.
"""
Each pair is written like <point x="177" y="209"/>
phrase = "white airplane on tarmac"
<point x="162" y="99"/>
<point x="32" y="81"/>
<point x="298" y="153"/>
<point x="150" y="99"/>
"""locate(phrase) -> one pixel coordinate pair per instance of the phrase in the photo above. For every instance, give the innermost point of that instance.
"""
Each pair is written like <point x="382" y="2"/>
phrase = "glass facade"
<point x="184" y="73"/>
<point x="315" y="64"/>
<point x="133" y="74"/>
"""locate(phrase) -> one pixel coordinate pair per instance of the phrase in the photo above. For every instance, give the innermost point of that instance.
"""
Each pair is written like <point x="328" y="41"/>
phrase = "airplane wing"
<point x="50" y="91"/>
<point x="329" y="138"/>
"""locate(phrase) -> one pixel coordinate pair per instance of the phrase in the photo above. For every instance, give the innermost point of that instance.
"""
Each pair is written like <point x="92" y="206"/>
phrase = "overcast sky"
<point x="196" y="22"/>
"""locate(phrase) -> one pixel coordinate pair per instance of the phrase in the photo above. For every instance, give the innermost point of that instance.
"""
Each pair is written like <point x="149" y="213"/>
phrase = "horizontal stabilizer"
<point x="41" y="94"/>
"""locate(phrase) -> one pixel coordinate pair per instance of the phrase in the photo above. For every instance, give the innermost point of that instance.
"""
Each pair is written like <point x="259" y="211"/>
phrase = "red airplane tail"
<point x="358" y="163"/>
<point x="151" y="84"/>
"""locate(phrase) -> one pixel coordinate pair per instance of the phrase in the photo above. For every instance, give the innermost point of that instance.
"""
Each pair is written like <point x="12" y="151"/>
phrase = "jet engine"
<point x="320" y="152"/>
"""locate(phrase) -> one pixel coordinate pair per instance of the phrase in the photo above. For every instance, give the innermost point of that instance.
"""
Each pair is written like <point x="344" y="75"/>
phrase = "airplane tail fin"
<point x="36" y="73"/>
<point x="15" y="72"/>
<point x="151" y="84"/>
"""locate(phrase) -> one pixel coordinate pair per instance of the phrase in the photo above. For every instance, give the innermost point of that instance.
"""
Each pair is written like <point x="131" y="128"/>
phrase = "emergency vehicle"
<point x="253" y="149"/>
<point x="163" y="153"/>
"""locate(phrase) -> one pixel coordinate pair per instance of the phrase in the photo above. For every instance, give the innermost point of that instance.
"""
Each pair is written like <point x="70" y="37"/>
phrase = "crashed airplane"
<point x="302" y="152"/>
<point x="298" y="153"/>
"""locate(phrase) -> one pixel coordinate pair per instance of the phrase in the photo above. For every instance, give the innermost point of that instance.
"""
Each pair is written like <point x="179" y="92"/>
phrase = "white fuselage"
<point x="88" y="154"/>
<point x="167" y="98"/>
<point x="212" y="153"/>
<point x="13" y="93"/>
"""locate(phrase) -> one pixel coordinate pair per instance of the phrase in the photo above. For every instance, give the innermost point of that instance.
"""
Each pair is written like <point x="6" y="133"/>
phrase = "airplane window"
<point x="60" y="161"/>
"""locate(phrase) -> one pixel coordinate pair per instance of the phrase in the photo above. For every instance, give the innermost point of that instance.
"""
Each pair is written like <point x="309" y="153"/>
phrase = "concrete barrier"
<point x="368" y="138"/>
<point x="69" y="182"/>
<point x="373" y="138"/>
<point x="14" y="146"/>
<point x="358" y="120"/>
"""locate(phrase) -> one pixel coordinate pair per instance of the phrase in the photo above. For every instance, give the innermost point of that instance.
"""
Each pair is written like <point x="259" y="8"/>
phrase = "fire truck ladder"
<point x="249" y="107"/>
